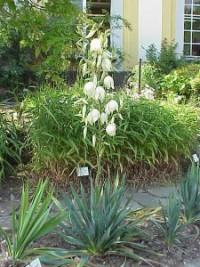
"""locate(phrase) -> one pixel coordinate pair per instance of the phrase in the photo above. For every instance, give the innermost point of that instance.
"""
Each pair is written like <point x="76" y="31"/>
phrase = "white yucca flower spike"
<point x="103" y="117"/>
<point x="95" y="45"/>
<point x="111" y="106"/>
<point x="89" y="89"/>
<point x="111" y="129"/>
<point x="109" y="82"/>
<point x="100" y="93"/>
<point x="93" y="116"/>
<point x="106" y="64"/>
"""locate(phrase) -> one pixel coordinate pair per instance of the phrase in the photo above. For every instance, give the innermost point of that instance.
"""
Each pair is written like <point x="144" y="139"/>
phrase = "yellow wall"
<point x="169" y="20"/>
<point x="131" y="37"/>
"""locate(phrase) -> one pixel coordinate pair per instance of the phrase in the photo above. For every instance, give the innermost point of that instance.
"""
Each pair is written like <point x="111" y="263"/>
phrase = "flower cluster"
<point x="97" y="109"/>
<point x="147" y="93"/>
<point x="103" y="113"/>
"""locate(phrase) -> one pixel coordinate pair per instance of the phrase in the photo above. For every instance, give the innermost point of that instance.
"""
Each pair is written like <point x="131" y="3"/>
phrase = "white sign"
<point x="195" y="158"/>
<point x="82" y="171"/>
<point x="35" y="263"/>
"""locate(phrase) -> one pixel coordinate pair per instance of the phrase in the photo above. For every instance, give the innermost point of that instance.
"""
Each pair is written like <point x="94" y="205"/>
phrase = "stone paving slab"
<point x="162" y="191"/>
<point x="148" y="201"/>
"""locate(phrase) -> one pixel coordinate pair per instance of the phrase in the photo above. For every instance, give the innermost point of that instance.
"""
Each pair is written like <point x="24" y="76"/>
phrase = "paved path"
<point x="148" y="198"/>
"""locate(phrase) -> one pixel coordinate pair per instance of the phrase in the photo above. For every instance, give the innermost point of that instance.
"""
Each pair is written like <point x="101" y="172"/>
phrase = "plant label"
<point x="35" y="263"/>
<point x="195" y="158"/>
<point x="82" y="171"/>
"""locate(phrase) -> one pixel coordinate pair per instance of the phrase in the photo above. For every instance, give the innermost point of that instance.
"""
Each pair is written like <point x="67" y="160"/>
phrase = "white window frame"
<point x="116" y="34"/>
<point x="191" y="31"/>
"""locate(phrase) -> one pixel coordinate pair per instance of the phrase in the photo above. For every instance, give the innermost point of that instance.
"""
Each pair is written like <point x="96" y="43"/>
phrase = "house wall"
<point x="169" y="21"/>
<point x="131" y="36"/>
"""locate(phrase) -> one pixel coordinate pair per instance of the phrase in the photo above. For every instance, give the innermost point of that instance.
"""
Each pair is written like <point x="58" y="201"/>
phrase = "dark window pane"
<point x="188" y="2"/>
<point x="196" y="50"/>
<point x="187" y="37"/>
<point x="196" y="10"/>
<point x="196" y="37"/>
<point x="188" y="9"/>
<point x="186" y="50"/>
<point x="187" y="25"/>
<point x="196" y="23"/>
<point x="99" y="7"/>
<point x="196" y="2"/>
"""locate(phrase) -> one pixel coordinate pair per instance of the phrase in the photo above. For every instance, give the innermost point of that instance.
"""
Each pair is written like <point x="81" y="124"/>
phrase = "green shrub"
<point x="164" y="60"/>
<point x="36" y="42"/>
<point x="10" y="146"/>
<point x="182" y="81"/>
<point x="150" y="132"/>
<point x="151" y="76"/>
<point x="195" y="83"/>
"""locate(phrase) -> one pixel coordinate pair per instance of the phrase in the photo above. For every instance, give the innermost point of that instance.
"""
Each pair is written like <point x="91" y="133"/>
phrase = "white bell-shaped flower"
<point x="93" y="116"/>
<point x="106" y="64"/>
<point x="100" y="93"/>
<point x="103" y="117"/>
<point x="111" y="106"/>
<point x="95" y="45"/>
<point x="109" y="82"/>
<point x="111" y="129"/>
<point x="89" y="89"/>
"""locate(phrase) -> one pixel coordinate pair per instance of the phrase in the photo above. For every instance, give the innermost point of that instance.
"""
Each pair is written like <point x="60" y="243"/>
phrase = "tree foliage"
<point x="36" y="39"/>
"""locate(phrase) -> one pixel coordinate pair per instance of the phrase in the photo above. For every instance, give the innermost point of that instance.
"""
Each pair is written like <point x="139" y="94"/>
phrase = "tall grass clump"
<point x="154" y="132"/>
<point x="10" y="146"/>
<point x="149" y="132"/>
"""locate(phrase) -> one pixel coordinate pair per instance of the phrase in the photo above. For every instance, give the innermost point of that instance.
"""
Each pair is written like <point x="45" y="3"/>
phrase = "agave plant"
<point x="31" y="222"/>
<point x="96" y="223"/>
<point x="190" y="195"/>
<point x="170" y="225"/>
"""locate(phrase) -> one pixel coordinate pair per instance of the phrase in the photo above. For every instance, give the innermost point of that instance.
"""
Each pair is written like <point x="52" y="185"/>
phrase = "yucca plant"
<point x="170" y="225"/>
<point x="31" y="222"/>
<point x="96" y="224"/>
<point x="190" y="194"/>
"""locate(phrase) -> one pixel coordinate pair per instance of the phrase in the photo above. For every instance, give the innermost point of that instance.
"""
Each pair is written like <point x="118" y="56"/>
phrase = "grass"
<point x="150" y="132"/>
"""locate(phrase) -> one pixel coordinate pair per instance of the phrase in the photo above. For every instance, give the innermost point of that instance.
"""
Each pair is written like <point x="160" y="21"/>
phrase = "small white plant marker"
<point x="82" y="171"/>
<point x="35" y="263"/>
<point x="195" y="158"/>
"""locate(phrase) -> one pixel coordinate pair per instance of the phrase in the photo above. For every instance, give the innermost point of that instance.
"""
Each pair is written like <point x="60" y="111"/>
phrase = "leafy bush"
<point x="149" y="132"/>
<point x="96" y="224"/>
<point x="10" y="146"/>
<point x="195" y="83"/>
<point x="171" y="226"/>
<point x="151" y="76"/>
<point x="190" y="195"/>
<point x="182" y="81"/>
<point x="166" y="59"/>
<point x="36" y="41"/>
<point x="29" y="224"/>
<point x="158" y="64"/>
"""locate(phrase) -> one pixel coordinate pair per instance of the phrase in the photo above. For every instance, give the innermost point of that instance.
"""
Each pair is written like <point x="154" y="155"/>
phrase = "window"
<point x="192" y="28"/>
<point x="98" y="7"/>
<point x="94" y="7"/>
